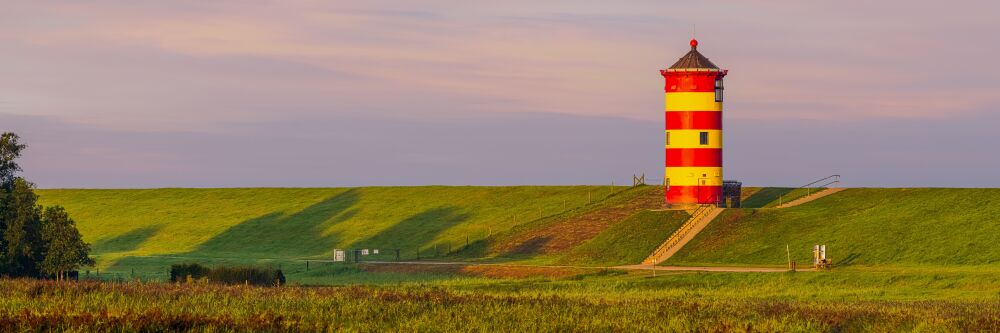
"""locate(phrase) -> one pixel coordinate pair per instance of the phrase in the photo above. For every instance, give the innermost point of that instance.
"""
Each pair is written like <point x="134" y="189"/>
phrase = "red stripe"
<point x="693" y="120"/>
<point x="690" y="82"/>
<point x="694" y="157"/>
<point x="693" y="194"/>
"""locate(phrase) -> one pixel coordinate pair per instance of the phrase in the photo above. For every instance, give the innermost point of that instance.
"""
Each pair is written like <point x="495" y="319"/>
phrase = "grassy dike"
<point x="145" y="230"/>
<point x="861" y="227"/>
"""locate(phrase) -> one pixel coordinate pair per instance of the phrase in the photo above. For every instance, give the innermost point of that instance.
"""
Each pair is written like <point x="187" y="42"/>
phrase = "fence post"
<point x="788" y="253"/>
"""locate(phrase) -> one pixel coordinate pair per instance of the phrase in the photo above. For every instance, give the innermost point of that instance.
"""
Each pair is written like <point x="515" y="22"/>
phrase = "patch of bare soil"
<point x="566" y="234"/>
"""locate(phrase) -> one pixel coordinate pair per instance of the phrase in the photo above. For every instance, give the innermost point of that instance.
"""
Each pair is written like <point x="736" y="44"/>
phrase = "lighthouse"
<point x="693" y="133"/>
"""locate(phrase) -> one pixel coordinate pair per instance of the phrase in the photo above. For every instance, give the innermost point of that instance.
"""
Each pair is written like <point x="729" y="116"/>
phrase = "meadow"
<point x="139" y="233"/>
<point x="963" y="300"/>
<point x="907" y="260"/>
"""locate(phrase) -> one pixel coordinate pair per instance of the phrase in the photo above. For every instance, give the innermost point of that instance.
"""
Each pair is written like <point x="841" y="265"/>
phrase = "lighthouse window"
<point x="666" y="139"/>
<point x="718" y="89"/>
<point x="704" y="138"/>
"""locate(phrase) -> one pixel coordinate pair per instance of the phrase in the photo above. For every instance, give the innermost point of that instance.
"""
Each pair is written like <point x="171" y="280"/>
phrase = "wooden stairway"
<point x="700" y="217"/>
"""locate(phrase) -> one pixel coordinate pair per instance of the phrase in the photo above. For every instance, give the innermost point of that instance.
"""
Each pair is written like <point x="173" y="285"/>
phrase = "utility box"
<point x="731" y="191"/>
<point x="820" y="261"/>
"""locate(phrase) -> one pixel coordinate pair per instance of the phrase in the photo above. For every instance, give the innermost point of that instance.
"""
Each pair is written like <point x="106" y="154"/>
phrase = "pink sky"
<point x="320" y="93"/>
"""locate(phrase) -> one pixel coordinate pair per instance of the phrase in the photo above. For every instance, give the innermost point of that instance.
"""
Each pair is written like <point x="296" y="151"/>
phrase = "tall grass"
<point x="28" y="305"/>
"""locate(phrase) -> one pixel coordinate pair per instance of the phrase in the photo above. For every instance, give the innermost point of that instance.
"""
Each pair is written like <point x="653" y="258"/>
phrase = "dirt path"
<point x="812" y="197"/>
<point x="707" y="269"/>
<point x="625" y="267"/>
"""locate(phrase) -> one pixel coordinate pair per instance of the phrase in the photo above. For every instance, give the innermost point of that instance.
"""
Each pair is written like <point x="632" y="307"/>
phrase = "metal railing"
<point x="676" y="237"/>
<point x="829" y="180"/>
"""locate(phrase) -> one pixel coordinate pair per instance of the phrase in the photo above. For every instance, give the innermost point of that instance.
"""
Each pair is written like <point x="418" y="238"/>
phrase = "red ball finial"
<point x="694" y="43"/>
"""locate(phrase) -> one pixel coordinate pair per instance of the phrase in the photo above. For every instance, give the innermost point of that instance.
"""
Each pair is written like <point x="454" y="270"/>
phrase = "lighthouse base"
<point x="693" y="195"/>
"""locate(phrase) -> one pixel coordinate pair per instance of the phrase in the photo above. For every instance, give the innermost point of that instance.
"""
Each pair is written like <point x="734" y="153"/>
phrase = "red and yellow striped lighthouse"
<point x="693" y="134"/>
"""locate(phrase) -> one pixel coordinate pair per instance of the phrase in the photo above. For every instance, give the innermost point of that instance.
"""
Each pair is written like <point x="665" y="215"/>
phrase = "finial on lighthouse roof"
<point x="693" y="59"/>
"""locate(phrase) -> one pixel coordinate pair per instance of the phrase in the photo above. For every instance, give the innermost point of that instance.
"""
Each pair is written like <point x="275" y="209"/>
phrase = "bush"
<point x="180" y="272"/>
<point x="228" y="275"/>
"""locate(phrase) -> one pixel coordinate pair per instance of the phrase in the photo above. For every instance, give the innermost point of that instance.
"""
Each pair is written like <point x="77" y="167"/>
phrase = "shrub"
<point x="180" y="272"/>
<point x="228" y="275"/>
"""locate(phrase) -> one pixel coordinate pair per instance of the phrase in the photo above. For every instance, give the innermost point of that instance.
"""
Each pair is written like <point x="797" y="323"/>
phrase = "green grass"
<point x="141" y="229"/>
<point x="900" y="227"/>
<point x="768" y="197"/>
<point x="628" y="242"/>
<point x="843" y="301"/>
<point x="908" y="259"/>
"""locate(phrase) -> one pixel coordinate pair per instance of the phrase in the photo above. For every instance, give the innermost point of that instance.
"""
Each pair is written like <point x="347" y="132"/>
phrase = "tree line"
<point x="35" y="241"/>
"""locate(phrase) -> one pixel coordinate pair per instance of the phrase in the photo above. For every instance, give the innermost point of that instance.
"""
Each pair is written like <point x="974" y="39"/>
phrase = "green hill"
<point x="863" y="226"/>
<point x="622" y="229"/>
<point x="144" y="229"/>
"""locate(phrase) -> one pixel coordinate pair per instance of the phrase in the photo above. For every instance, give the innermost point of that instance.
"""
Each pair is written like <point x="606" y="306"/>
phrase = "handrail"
<point x="830" y="183"/>
<point x="675" y="238"/>
<point x="822" y="179"/>
<point x="836" y="180"/>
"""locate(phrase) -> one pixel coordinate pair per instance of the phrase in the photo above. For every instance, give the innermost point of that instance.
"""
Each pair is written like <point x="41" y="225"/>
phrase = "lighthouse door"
<point x="703" y="193"/>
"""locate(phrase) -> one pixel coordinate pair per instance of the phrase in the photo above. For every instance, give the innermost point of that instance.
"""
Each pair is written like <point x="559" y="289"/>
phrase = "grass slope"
<point x="146" y="229"/>
<point x="768" y="197"/>
<point x="621" y="230"/>
<point x="859" y="226"/>
<point x="628" y="242"/>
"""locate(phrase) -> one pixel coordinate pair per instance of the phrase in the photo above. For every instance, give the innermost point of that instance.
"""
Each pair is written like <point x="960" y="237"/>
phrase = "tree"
<point x="22" y="243"/>
<point x="65" y="249"/>
<point x="32" y="243"/>
<point x="10" y="150"/>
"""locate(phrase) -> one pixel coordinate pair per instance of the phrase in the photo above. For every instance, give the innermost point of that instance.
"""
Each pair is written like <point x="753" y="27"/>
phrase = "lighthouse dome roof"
<point x="694" y="59"/>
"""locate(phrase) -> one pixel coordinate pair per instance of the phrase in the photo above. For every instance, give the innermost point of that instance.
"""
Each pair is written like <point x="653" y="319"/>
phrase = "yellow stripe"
<point x="692" y="101"/>
<point x="692" y="138"/>
<point x="693" y="176"/>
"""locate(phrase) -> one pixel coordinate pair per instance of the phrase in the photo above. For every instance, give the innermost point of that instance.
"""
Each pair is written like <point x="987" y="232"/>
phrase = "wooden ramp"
<point x="699" y="219"/>
<point x="811" y="197"/>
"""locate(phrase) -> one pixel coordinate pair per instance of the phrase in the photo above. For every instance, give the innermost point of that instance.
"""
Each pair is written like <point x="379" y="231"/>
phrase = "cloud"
<point x="372" y="76"/>
<point x="489" y="149"/>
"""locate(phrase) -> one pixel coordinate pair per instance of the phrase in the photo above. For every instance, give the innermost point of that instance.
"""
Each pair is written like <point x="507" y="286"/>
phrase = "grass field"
<point x="905" y="227"/>
<point x="846" y="301"/>
<point x="141" y="232"/>
<point x="907" y="260"/>
<point x="146" y="230"/>
<point x="628" y="242"/>
<point x="620" y="230"/>
<point x="768" y="197"/>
